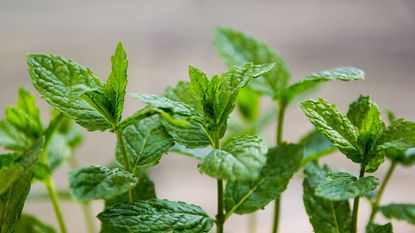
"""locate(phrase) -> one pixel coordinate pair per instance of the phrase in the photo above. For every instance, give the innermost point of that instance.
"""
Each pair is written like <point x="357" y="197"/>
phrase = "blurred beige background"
<point x="163" y="37"/>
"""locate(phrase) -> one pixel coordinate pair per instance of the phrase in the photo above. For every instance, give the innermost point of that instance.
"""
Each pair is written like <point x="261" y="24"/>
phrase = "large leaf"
<point x="248" y="197"/>
<point x="376" y="228"/>
<point x="316" y="145"/>
<point x="156" y="216"/>
<point x="405" y="212"/>
<point x="237" y="48"/>
<point x="30" y="224"/>
<point x="146" y="141"/>
<point x="313" y="80"/>
<point x="335" y="125"/>
<point x="341" y="186"/>
<point x="12" y="200"/>
<point x="240" y="158"/>
<point x="72" y="89"/>
<point x="326" y="216"/>
<point x="97" y="182"/>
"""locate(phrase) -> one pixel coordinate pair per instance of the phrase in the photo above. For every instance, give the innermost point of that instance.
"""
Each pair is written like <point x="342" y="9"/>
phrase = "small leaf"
<point x="182" y="92"/>
<point x="97" y="182"/>
<point x="341" y="186"/>
<point x="9" y="173"/>
<point x="325" y="216"/>
<point x="11" y="138"/>
<point x="248" y="104"/>
<point x="247" y="197"/>
<point x="335" y="125"/>
<point x="30" y="224"/>
<point x="316" y="145"/>
<point x="160" y="216"/>
<point x="375" y="228"/>
<point x="240" y="158"/>
<point x="315" y="79"/>
<point x="405" y="212"/>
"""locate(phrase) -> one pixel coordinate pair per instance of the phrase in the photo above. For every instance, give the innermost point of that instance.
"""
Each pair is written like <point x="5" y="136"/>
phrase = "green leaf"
<point x="240" y="158"/>
<point x="326" y="216"/>
<point x="117" y="82"/>
<point x="248" y="197"/>
<point x="316" y="145"/>
<point x="237" y="48"/>
<point x="182" y="92"/>
<point x="11" y="138"/>
<point x="12" y="200"/>
<point x="248" y="104"/>
<point x="9" y="175"/>
<point x="58" y="151"/>
<point x="315" y="79"/>
<point x="97" y="182"/>
<point x="376" y="228"/>
<point x="160" y="216"/>
<point x="405" y="212"/>
<point x="72" y="89"/>
<point x="198" y="153"/>
<point x="335" y="125"/>
<point x="341" y="186"/>
<point x="30" y="224"/>
<point x="146" y="141"/>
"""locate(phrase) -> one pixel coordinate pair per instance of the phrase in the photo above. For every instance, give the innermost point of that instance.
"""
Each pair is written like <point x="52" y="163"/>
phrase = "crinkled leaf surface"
<point x="30" y="224"/>
<point x="335" y="125"/>
<point x="247" y="197"/>
<point x="161" y="216"/>
<point x="97" y="182"/>
<point x="343" y="186"/>
<point x="405" y="212"/>
<point x="240" y="158"/>
<point x="325" y="216"/>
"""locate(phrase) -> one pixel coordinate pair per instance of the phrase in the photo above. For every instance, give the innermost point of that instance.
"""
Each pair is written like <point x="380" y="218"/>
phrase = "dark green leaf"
<point x="325" y="216"/>
<point x="341" y="186"/>
<point x="161" y="216"/>
<point x="97" y="182"/>
<point x="405" y="212"/>
<point x="248" y="197"/>
<point x="30" y="224"/>
<point x="375" y="228"/>
<point x="316" y="145"/>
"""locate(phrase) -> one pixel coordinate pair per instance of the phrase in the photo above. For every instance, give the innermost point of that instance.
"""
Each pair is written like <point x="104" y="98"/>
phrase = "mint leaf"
<point x="11" y="138"/>
<point x="335" y="125"/>
<point x="240" y="158"/>
<point x="315" y="79"/>
<point x="182" y="92"/>
<point x="376" y="228"/>
<point x="30" y="224"/>
<point x="316" y="145"/>
<point x="156" y="216"/>
<point x="341" y="186"/>
<point x="197" y="153"/>
<point x="72" y="89"/>
<point x="117" y="82"/>
<point x="237" y="48"/>
<point x="146" y="141"/>
<point x="192" y="135"/>
<point x="247" y="197"/>
<point x="12" y="200"/>
<point x="248" y="104"/>
<point x="97" y="182"/>
<point x="9" y="174"/>
<point x="405" y="212"/>
<point x="326" y="216"/>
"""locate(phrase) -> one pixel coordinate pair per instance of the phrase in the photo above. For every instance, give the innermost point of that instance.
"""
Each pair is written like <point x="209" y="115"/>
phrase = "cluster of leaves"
<point x="192" y="118"/>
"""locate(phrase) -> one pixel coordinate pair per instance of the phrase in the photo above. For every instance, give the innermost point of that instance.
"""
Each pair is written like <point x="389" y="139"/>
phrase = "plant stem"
<point x="54" y="198"/>
<point x="126" y="159"/>
<point x="375" y="205"/>
<point x="353" y="224"/>
<point x="280" y="124"/>
<point x="220" y="220"/>
<point x="252" y="223"/>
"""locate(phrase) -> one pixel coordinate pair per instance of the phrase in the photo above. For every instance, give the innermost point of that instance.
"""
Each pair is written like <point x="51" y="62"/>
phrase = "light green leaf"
<point x="11" y="138"/>
<point x="248" y="104"/>
<point x="405" y="212"/>
<point x="341" y="186"/>
<point x="97" y="182"/>
<point x="72" y="89"/>
<point x="146" y="141"/>
<point x="375" y="228"/>
<point x="316" y="145"/>
<point x="198" y="153"/>
<point x="335" y="125"/>
<point x="58" y="151"/>
<point x="182" y="92"/>
<point x="315" y="79"/>
<point x="9" y="175"/>
<point x="161" y="216"/>
<point x="12" y="200"/>
<point x="240" y="158"/>
<point x="117" y="82"/>
<point x="237" y="48"/>
<point x="325" y="216"/>
<point x="30" y="224"/>
<point x="248" y="197"/>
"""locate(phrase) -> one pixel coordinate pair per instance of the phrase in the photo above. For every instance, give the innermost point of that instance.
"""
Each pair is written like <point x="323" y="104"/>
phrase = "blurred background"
<point x="163" y="37"/>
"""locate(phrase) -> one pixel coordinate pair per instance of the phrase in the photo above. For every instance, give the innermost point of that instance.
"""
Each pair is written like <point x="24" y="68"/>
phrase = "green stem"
<point x="220" y="218"/>
<point x="280" y="124"/>
<point x="252" y="223"/>
<point x="353" y="224"/>
<point x="375" y="206"/>
<point x="54" y="198"/>
<point x="123" y="150"/>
